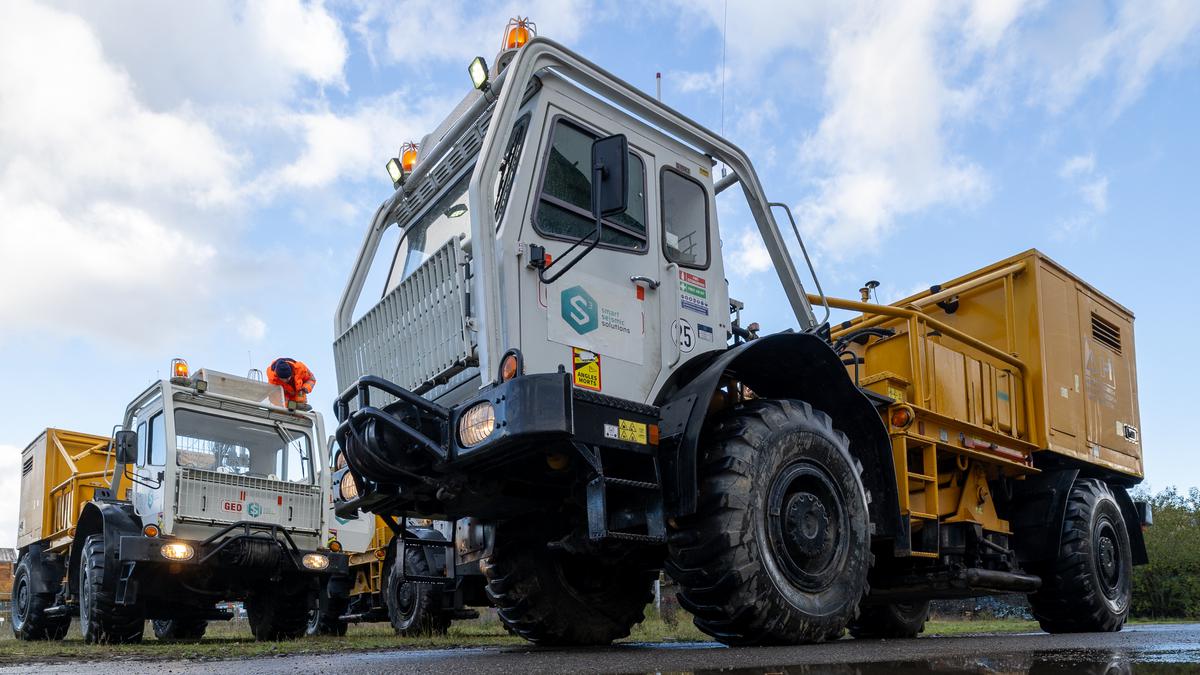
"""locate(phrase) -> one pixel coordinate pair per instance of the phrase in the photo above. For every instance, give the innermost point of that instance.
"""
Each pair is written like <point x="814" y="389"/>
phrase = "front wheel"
<point x="551" y="597"/>
<point x="1088" y="588"/>
<point x="101" y="619"/>
<point x="275" y="615"/>
<point x="326" y="617"/>
<point x="778" y="549"/>
<point x="29" y="620"/>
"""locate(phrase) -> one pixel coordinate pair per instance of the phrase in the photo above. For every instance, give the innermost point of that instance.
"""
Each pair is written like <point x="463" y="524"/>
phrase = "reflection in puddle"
<point x="1183" y="658"/>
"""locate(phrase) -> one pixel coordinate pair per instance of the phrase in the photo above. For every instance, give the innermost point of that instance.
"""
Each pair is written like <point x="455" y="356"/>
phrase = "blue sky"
<point x="194" y="179"/>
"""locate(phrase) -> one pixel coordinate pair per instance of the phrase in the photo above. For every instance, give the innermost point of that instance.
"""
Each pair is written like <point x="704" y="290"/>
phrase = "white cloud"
<point x="10" y="494"/>
<point x="747" y="255"/>
<point x="219" y="51"/>
<point x="1095" y="194"/>
<point x="251" y="327"/>
<point x="88" y="176"/>
<point x="419" y="31"/>
<point x="1078" y="165"/>
<point x="880" y="151"/>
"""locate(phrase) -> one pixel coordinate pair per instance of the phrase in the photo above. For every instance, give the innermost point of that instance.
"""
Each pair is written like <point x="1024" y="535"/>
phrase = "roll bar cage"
<point x="537" y="54"/>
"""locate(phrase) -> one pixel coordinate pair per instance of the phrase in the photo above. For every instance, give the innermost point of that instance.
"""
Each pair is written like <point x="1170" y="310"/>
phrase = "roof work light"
<point x="395" y="171"/>
<point x="479" y="73"/>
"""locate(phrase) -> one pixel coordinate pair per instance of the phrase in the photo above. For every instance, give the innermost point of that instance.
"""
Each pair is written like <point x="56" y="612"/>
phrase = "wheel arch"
<point x="110" y="519"/>
<point x="785" y="365"/>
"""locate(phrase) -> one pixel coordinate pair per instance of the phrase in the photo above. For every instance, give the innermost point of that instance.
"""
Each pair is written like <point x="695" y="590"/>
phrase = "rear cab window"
<point x="564" y="206"/>
<point x="685" y="220"/>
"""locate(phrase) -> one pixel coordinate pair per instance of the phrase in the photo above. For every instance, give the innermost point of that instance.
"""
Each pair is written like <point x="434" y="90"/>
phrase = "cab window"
<point x="158" y="441"/>
<point x="142" y="438"/>
<point x="564" y="208"/>
<point x="685" y="220"/>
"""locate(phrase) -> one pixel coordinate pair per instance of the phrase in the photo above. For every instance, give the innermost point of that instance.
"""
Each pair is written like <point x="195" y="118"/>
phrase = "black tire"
<point x="326" y="617"/>
<point x="751" y="577"/>
<point x="179" y="630"/>
<point x="551" y="597"/>
<point x="275" y="615"/>
<point x="1089" y="587"/>
<point x="414" y="608"/>
<point x="101" y="619"/>
<point x="891" y="621"/>
<point x="29" y="620"/>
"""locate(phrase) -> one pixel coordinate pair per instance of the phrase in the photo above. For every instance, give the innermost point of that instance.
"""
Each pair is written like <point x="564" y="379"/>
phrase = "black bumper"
<point x="532" y="413"/>
<point x="272" y="549"/>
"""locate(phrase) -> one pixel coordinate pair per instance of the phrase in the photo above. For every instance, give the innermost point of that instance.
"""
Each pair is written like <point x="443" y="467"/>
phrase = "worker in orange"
<point x="294" y="377"/>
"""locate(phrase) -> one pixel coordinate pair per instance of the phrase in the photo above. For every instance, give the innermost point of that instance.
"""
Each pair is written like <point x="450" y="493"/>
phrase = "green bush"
<point x="1169" y="587"/>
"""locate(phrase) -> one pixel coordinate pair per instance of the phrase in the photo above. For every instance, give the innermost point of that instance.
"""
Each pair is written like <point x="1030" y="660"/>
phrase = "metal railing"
<point x="417" y="335"/>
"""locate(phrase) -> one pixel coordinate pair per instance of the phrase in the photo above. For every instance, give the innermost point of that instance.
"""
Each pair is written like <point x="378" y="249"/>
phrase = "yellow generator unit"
<point x="60" y="472"/>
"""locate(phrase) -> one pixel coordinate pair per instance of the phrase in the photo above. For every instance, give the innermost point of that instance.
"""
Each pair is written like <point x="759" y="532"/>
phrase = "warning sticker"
<point x="693" y="293"/>
<point x="586" y="368"/>
<point x="704" y="332"/>
<point x="634" y="432"/>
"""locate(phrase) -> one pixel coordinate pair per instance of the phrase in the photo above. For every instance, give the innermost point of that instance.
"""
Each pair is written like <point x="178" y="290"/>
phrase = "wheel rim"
<point x="1107" y="545"/>
<point x="807" y="525"/>
<point x="405" y="598"/>
<point x="85" y="600"/>
<point x="21" y="602"/>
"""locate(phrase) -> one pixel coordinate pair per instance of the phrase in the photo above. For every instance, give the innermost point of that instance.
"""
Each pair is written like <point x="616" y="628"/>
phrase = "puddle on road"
<point x="1177" y="659"/>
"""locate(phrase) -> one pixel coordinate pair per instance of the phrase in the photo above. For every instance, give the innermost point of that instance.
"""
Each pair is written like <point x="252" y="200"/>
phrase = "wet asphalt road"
<point x="1137" y="649"/>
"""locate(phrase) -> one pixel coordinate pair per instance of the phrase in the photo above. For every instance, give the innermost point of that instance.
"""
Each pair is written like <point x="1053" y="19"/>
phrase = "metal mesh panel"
<point x="416" y="336"/>
<point x="220" y="498"/>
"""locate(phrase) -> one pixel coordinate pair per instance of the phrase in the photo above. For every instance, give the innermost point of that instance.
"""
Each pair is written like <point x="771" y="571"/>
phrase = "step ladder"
<point x="916" y="471"/>
<point x="407" y="538"/>
<point x="625" y="494"/>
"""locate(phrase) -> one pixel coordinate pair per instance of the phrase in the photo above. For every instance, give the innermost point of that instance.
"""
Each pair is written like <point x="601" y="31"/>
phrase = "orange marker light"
<point x="901" y="418"/>
<point x="150" y="530"/>
<point x="408" y="156"/>
<point x="518" y="32"/>
<point x="179" y="368"/>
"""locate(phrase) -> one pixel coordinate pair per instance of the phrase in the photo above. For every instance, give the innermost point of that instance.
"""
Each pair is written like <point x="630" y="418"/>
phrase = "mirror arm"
<point x="597" y="175"/>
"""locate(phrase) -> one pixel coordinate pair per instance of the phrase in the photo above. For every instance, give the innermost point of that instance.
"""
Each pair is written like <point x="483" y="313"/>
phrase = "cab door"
<point x="147" y="489"/>
<point x="599" y="320"/>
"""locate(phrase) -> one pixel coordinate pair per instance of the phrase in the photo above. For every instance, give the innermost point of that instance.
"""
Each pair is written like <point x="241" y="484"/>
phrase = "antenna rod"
<point x="658" y="84"/>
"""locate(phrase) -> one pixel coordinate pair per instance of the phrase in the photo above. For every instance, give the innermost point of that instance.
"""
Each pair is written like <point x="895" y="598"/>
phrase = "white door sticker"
<point x="597" y="315"/>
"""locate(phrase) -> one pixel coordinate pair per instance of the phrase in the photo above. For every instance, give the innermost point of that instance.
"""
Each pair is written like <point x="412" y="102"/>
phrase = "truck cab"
<point x="211" y="490"/>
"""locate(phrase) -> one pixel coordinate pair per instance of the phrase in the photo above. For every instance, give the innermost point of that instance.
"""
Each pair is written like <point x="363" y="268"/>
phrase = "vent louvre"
<point x="1106" y="334"/>
<point x="27" y="465"/>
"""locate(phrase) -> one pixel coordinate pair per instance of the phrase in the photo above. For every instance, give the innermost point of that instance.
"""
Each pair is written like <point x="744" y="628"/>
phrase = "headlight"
<point x="347" y="487"/>
<point x="177" y="551"/>
<point x="339" y="462"/>
<point x="315" y="561"/>
<point x="476" y="424"/>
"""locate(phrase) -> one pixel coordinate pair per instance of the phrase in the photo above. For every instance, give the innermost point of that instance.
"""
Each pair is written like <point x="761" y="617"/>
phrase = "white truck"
<point x="212" y="489"/>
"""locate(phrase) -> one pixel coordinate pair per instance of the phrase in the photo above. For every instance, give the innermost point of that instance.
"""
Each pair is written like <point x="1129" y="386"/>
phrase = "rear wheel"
<point x="1088" y="588"/>
<point x="414" y="608"/>
<point x="551" y="597"/>
<point x="893" y="620"/>
<point x="778" y="549"/>
<point x="179" y="630"/>
<point x="29" y="620"/>
<point x="275" y="615"/>
<point x="101" y="619"/>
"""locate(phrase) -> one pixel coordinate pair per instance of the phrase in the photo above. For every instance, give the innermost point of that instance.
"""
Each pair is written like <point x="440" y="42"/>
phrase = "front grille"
<point x="218" y="498"/>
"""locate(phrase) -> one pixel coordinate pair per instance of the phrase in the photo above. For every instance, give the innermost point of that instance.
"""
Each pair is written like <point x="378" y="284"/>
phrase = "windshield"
<point x="448" y="218"/>
<point x="233" y="446"/>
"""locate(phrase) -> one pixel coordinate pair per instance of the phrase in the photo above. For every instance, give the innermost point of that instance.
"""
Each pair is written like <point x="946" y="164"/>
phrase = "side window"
<point x="158" y="441"/>
<point x="565" y="204"/>
<point x="142" y="439"/>
<point x="508" y="168"/>
<point x="685" y="220"/>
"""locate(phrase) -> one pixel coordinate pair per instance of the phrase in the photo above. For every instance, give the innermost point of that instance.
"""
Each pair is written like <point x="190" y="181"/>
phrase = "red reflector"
<point x="641" y="293"/>
<point x="280" y="498"/>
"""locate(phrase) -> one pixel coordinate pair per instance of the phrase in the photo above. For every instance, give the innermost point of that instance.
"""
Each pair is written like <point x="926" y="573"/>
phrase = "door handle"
<point x="650" y="283"/>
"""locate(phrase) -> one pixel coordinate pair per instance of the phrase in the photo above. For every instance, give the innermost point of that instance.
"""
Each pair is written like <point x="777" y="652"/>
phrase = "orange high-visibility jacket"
<point x="299" y="386"/>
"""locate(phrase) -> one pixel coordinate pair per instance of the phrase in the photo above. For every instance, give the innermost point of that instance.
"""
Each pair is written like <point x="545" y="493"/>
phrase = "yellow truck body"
<point x="60" y="472"/>
<point x="983" y="372"/>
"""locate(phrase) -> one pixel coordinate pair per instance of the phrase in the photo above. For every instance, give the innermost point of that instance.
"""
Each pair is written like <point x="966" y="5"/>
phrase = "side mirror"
<point x="610" y="190"/>
<point x="125" y="444"/>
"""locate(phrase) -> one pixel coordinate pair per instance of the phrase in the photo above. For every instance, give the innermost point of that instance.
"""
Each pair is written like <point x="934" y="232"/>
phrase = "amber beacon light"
<point x="518" y="32"/>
